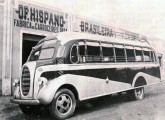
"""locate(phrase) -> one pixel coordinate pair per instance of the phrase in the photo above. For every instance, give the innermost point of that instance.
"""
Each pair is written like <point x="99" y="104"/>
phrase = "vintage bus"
<point x="71" y="66"/>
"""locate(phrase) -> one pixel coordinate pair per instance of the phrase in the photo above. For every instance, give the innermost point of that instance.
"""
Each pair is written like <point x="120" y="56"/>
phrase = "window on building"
<point x="108" y="52"/>
<point x="139" y="54"/>
<point x="130" y="53"/>
<point x="120" y="53"/>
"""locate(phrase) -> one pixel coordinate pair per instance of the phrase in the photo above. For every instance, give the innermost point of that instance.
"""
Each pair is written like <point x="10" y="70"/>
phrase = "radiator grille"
<point x="25" y="81"/>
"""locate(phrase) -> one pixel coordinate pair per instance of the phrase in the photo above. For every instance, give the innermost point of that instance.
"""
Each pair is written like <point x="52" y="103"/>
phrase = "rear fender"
<point x="149" y="79"/>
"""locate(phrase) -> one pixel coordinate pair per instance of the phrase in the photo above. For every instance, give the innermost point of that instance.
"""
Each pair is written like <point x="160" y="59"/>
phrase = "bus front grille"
<point x="25" y="83"/>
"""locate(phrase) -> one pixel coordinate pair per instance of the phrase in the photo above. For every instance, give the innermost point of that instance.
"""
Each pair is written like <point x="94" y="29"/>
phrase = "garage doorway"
<point x="29" y="41"/>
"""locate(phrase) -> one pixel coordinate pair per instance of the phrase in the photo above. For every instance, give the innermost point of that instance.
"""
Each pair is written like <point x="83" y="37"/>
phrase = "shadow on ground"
<point x="82" y="108"/>
<point x="111" y="102"/>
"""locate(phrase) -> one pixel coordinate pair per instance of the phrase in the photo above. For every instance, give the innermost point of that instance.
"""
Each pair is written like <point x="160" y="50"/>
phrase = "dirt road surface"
<point x="116" y="107"/>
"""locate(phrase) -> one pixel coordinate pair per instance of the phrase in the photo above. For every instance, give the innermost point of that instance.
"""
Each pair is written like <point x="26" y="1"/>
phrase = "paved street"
<point x="116" y="107"/>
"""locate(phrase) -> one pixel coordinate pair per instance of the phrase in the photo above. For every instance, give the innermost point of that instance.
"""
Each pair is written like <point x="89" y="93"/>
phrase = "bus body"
<point x="77" y="66"/>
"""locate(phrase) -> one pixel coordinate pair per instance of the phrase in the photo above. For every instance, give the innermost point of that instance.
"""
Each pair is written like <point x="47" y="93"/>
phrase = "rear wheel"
<point x="136" y="94"/>
<point x="139" y="93"/>
<point x="63" y="104"/>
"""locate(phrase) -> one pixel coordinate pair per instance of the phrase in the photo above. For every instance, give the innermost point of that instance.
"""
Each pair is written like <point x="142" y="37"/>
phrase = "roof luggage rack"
<point x="132" y="36"/>
<point x="124" y="34"/>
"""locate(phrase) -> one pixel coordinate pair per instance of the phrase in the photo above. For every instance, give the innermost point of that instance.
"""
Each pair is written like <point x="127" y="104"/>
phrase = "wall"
<point x="1" y="41"/>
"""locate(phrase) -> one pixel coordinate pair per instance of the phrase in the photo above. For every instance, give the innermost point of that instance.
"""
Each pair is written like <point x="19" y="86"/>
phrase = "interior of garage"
<point x="29" y="41"/>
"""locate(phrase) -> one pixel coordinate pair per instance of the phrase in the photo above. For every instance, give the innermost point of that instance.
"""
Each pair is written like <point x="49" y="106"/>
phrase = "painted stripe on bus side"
<point x="93" y="66"/>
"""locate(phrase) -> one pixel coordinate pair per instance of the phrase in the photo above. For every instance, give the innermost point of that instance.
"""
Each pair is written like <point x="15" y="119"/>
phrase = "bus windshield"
<point x="46" y="53"/>
<point x="44" y="50"/>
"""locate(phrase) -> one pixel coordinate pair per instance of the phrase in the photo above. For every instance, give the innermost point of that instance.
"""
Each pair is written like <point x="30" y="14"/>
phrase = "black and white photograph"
<point x="82" y="60"/>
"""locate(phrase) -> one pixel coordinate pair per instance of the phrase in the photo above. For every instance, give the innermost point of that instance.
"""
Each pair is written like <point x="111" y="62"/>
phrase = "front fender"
<point x="47" y="92"/>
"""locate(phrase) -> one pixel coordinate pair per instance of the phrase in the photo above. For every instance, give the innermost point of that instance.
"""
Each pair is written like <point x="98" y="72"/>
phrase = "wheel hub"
<point x="64" y="104"/>
<point x="139" y="92"/>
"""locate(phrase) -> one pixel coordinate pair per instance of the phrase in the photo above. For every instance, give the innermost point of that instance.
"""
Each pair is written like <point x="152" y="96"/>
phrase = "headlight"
<point x="15" y="82"/>
<point x="42" y="81"/>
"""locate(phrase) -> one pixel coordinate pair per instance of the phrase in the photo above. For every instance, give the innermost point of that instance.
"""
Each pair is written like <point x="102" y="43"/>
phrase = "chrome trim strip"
<point x="25" y="102"/>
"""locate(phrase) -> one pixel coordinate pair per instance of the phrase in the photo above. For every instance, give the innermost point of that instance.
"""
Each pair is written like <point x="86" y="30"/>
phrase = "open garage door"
<point x="29" y="41"/>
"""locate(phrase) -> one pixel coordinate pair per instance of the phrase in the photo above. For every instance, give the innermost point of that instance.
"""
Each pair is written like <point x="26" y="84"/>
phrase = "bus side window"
<point x="108" y="52"/>
<point x="82" y="52"/>
<point x="120" y="53"/>
<point x="146" y="55"/>
<point x="93" y="52"/>
<point x="74" y="54"/>
<point x="139" y="54"/>
<point x="130" y="53"/>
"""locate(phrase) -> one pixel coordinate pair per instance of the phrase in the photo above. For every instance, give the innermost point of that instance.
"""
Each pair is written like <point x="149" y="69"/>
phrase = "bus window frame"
<point x="125" y="54"/>
<point x="152" y="55"/>
<point x="141" y="49"/>
<point x="124" y="47"/>
<point x="114" y="57"/>
<point x="119" y="48"/>
<point x="77" y="53"/>
<point x="85" y="52"/>
<point x="86" y="49"/>
<point x="155" y="56"/>
<point x="146" y="49"/>
<point x="133" y="48"/>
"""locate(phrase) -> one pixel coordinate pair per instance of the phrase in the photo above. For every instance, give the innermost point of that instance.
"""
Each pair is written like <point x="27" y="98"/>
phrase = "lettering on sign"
<point x="95" y="29"/>
<point x="34" y="18"/>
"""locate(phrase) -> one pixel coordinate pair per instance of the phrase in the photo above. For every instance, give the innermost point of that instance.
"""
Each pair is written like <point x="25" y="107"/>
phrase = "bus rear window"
<point x="46" y="53"/>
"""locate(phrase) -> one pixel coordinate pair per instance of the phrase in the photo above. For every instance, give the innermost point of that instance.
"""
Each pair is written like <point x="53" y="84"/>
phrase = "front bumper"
<point x="25" y="102"/>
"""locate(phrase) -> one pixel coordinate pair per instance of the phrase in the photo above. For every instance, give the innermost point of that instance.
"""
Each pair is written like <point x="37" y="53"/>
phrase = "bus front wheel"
<point x="136" y="94"/>
<point x="63" y="104"/>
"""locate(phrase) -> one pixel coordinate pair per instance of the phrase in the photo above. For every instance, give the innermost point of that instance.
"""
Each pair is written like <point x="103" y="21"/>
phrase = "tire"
<point x="63" y="104"/>
<point x="30" y="109"/>
<point x="136" y="94"/>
